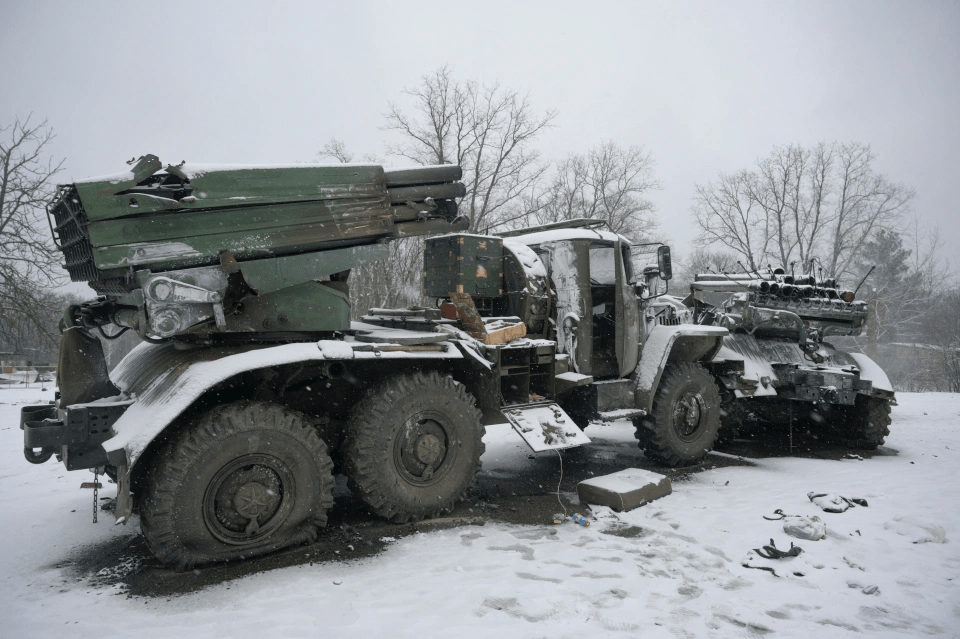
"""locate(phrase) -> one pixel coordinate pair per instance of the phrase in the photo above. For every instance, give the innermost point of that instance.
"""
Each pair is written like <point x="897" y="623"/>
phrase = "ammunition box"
<point x="463" y="263"/>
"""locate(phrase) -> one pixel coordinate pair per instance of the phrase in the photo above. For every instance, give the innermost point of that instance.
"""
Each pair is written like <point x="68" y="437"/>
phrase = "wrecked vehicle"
<point x="778" y="367"/>
<point x="252" y="387"/>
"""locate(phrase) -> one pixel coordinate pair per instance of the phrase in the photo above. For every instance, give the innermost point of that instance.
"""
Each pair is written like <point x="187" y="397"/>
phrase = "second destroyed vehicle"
<point x="778" y="366"/>
<point x="252" y="387"/>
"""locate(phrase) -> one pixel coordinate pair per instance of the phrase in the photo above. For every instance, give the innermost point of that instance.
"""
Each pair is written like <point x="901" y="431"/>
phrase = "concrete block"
<point x="624" y="490"/>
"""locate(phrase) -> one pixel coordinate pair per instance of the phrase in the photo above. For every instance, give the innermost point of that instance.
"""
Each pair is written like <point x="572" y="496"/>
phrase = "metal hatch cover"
<point x="544" y="426"/>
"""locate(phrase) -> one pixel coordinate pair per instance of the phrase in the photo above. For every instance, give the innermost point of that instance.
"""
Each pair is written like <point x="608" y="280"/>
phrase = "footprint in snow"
<point x="917" y="532"/>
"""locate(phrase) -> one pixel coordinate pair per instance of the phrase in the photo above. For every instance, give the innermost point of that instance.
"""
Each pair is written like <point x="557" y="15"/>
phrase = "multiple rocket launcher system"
<point x="256" y="249"/>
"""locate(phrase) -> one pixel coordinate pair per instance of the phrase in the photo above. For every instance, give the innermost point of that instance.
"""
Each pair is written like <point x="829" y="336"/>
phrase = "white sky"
<point x="707" y="87"/>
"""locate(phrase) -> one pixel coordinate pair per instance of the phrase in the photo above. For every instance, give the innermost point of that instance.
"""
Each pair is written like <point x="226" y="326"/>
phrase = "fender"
<point x="164" y="381"/>
<point x="870" y="370"/>
<point x="682" y="343"/>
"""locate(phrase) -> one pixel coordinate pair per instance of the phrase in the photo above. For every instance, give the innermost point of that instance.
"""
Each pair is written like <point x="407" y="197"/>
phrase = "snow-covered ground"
<point x="668" y="569"/>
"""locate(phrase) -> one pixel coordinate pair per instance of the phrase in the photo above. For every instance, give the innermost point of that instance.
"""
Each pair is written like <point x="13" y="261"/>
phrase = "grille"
<point x="69" y="228"/>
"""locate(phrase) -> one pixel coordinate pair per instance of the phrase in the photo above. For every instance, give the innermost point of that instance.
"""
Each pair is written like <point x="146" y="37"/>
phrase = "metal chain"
<point x="95" y="494"/>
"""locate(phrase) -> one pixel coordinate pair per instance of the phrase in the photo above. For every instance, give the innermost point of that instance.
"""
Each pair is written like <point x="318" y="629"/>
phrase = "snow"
<point x="625" y="481"/>
<point x="113" y="178"/>
<point x="530" y="260"/>
<point x="672" y="570"/>
<point x="197" y="170"/>
<point x="335" y="349"/>
<point x="170" y="394"/>
<point x="147" y="252"/>
<point x="572" y="377"/>
<point x="558" y="235"/>
<point x="569" y="302"/>
<point x="869" y="369"/>
<point x="657" y="346"/>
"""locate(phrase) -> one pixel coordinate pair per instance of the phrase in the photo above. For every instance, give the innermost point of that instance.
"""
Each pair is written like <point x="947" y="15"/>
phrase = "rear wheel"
<point x="243" y="480"/>
<point x="683" y="423"/>
<point x="413" y="446"/>
<point x="864" y="425"/>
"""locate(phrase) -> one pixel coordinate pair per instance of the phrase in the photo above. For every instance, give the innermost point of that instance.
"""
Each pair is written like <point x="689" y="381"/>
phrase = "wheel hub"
<point x="246" y="499"/>
<point x="421" y="451"/>
<point x="688" y="415"/>
<point x="429" y="449"/>
<point x="251" y="500"/>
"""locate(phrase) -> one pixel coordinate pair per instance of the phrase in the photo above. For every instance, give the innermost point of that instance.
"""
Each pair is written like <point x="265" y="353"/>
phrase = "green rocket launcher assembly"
<point x="203" y="252"/>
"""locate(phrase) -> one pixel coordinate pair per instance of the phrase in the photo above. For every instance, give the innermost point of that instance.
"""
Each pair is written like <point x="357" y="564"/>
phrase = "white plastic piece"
<point x="803" y="527"/>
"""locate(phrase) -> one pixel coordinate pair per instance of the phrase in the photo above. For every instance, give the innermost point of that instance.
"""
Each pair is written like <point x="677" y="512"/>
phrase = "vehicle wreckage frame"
<point x="252" y="386"/>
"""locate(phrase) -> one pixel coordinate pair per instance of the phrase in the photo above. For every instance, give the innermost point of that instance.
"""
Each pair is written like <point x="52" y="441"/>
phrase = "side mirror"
<point x="664" y="263"/>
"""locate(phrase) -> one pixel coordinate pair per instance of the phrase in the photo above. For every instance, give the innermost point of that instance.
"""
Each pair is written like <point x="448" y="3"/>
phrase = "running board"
<point x="544" y="426"/>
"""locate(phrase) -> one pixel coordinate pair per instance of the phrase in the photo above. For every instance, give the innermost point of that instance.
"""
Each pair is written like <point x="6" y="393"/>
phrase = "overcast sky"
<point x="705" y="86"/>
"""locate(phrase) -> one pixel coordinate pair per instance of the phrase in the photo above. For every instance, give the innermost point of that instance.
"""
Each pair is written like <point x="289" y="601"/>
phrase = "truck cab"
<point x="597" y="315"/>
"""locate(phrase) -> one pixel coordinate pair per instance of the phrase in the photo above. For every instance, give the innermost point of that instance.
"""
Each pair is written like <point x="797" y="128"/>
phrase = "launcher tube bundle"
<point x="194" y="251"/>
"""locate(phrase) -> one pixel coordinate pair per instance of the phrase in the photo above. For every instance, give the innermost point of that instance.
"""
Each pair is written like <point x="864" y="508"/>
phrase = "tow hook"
<point x="38" y="458"/>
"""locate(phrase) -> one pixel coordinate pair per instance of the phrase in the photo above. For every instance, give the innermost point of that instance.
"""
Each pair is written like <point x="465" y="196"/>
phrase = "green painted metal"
<point x="265" y="276"/>
<point x="236" y="187"/>
<point x="250" y="221"/>
<point x="306" y="307"/>
<point x="266" y="232"/>
<point x="463" y="264"/>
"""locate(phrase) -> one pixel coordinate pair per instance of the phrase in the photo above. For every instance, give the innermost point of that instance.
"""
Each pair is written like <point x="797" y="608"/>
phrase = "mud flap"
<point x="545" y="426"/>
<point x="82" y="369"/>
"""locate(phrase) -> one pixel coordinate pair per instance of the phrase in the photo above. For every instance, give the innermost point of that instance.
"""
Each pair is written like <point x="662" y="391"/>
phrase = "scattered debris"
<point x="803" y="527"/>
<point x="624" y="490"/>
<point x="833" y="503"/>
<point x="772" y="552"/>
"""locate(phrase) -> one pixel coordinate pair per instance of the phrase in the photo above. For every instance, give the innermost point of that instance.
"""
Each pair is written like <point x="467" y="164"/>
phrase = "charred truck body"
<point x="252" y="387"/>
<point x="777" y="366"/>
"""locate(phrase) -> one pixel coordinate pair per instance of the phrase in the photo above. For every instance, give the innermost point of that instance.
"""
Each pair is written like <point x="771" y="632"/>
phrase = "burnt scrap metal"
<point x="777" y="354"/>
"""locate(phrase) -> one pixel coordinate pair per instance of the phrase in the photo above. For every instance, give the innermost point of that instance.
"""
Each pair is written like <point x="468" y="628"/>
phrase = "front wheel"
<point x="243" y="480"/>
<point x="683" y="423"/>
<point x="413" y="446"/>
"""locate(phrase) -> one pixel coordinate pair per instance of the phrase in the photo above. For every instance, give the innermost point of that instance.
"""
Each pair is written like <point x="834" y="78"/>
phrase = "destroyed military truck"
<point x="778" y="366"/>
<point x="252" y="387"/>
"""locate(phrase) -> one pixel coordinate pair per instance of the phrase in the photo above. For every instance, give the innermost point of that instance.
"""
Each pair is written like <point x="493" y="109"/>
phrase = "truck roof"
<point x="567" y="234"/>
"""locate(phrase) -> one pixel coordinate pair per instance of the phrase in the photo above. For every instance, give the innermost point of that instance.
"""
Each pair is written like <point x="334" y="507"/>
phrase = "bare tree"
<point x="864" y="202"/>
<point x="608" y="182"/>
<point x="801" y="205"/>
<point x="335" y="149"/>
<point x="729" y="216"/>
<point x="29" y="263"/>
<point x="391" y="283"/>
<point x="701" y="261"/>
<point x="486" y="129"/>
<point x="942" y="333"/>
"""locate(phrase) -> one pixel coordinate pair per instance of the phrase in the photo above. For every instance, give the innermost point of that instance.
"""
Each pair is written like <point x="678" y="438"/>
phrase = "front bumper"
<point x="75" y="434"/>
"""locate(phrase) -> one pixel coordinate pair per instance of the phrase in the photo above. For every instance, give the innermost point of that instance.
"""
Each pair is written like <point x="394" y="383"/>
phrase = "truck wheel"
<point x="242" y="480"/>
<point x="863" y="425"/>
<point x="682" y="427"/>
<point x="413" y="446"/>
